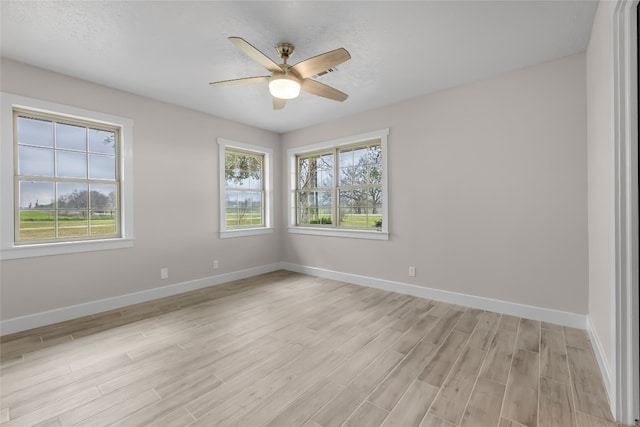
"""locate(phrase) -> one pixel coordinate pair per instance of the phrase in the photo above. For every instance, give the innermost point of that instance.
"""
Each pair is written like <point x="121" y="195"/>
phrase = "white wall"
<point x="601" y="174"/>
<point x="176" y="203"/>
<point x="488" y="195"/>
<point x="488" y="190"/>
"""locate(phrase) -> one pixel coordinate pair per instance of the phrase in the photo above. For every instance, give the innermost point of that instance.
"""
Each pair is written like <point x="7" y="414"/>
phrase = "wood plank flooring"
<point x="285" y="349"/>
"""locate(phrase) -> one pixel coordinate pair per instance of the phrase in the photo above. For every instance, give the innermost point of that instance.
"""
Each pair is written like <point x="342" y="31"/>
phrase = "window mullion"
<point x="56" y="221"/>
<point x="335" y="193"/>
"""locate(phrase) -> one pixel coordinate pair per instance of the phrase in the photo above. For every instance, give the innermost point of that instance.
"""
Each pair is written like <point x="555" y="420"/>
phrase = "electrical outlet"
<point x="164" y="273"/>
<point x="216" y="264"/>
<point x="412" y="272"/>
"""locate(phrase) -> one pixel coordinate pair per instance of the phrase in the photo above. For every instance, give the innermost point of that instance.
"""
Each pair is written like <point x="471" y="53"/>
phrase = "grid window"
<point x="67" y="180"/>
<point x="315" y="195"/>
<point x="360" y="187"/>
<point x="244" y="189"/>
<point x="341" y="187"/>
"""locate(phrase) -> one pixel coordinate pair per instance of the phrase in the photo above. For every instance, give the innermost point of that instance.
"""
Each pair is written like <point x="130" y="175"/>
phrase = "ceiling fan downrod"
<point x="285" y="51"/>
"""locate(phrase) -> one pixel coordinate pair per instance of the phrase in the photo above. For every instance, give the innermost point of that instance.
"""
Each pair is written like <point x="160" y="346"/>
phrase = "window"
<point x="338" y="188"/>
<point x="67" y="180"/>
<point x="245" y="206"/>
<point x="66" y="174"/>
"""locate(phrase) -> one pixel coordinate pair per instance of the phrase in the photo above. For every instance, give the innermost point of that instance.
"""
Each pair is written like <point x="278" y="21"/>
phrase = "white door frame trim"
<point x="626" y="394"/>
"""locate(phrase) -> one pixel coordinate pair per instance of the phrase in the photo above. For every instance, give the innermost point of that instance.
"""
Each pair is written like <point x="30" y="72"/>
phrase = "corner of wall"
<point x="601" y="357"/>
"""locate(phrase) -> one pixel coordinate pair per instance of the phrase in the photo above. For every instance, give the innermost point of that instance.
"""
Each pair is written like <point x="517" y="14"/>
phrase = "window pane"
<point x="72" y="196"/>
<point x="71" y="164"/>
<point x="361" y="166"/>
<point x="360" y="156"/>
<point x="360" y="207"/>
<point x="103" y="197"/>
<point x="103" y="222"/>
<point x="374" y="199"/>
<point x="232" y="181"/>
<point x="375" y="154"/>
<point x="102" y="167"/>
<point x="35" y="132"/>
<point x="231" y="214"/>
<point x="346" y="215"/>
<point x="232" y="199"/>
<point x="243" y="208"/>
<point x="348" y="198"/>
<point x="71" y="137"/>
<point x="315" y="207"/>
<point x="255" y="182"/>
<point x="325" y="178"/>
<point x="240" y="167"/>
<point x="374" y="218"/>
<point x="348" y="176"/>
<point x="232" y="219"/>
<point x="73" y="223"/>
<point x="36" y="224"/>
<point x="315" y="171"/>
<point x="374" y="174"/>
<point x="102" y="141"/>
<point x="35" y="161"/>
<point x="303" y="172"/>
<point x="242" y="181"/>
<point x="312" y="176"/>
<point x="229" y="168"/>
<point x="326" y="161"/>
<point x="375" y="164"/>
<point x="255" y="198"/>
<point x="354" y="207"/>
<point x="36" y="195"/>
<point x="243" y="170"/>
<point x="244" y="200"/>
<point x="256" y="217"/>
<point x="346" y="158"/>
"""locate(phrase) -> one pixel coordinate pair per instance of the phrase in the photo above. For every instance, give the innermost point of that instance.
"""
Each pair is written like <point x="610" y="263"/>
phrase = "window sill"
<point x="244" y="232"/>
<point x="61" y="248"/>
<point x="337" y="232"/>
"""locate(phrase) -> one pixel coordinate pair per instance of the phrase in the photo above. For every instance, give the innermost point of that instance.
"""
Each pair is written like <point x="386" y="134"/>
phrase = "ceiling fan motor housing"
<point x="285" y="50"/>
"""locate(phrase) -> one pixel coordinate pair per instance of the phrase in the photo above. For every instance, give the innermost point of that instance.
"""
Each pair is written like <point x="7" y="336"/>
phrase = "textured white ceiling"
<point x="171" y="50"/>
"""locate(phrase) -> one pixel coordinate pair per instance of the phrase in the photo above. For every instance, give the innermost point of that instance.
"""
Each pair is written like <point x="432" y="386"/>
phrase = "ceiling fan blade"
<point x="253" y="53"/>
<point x="317" y="64"/>
<point x="240" y="81"/>
<point x="321" y="89"/>
<point x="278" y="103"/>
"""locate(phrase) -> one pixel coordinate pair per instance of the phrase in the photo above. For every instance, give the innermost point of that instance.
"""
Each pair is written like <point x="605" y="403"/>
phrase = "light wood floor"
<point x="284" y="349"/>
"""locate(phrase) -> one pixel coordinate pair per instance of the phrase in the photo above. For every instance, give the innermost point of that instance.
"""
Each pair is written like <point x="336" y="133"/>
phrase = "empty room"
<point x="319" y="213"/>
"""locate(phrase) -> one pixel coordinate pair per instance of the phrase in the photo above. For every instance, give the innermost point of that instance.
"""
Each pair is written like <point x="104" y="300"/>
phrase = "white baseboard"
<point x="31" y="321"/>
<point x="602" y="363"/>
<point x="558" y="317"/>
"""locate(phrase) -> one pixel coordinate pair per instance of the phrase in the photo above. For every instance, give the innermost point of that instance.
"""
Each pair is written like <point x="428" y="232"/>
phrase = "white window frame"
<point x="8" y="247"/>
<point x="292" y="153"/>
<point x="267" y="228"/>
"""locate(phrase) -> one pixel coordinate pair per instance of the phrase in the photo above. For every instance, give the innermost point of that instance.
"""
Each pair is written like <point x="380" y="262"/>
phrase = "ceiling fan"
<point x="286" y="81"/>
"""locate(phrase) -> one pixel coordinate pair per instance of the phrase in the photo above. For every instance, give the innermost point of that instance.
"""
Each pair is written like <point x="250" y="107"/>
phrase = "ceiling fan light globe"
<point x="284" y="88"/>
